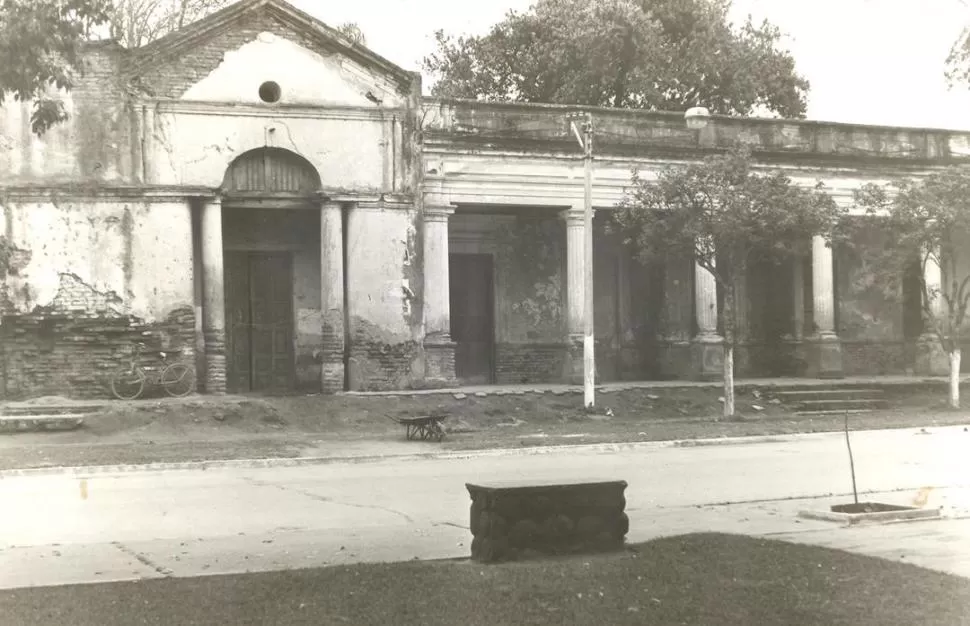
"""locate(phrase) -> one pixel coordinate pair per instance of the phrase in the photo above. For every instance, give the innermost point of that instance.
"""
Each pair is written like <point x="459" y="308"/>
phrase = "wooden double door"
<point x="259" y="321"/>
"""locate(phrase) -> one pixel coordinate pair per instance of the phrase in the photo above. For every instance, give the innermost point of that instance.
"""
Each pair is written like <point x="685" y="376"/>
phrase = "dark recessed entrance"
<point x="472" y="317"/>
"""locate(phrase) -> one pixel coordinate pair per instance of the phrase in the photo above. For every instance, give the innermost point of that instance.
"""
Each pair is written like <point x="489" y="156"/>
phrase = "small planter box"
<point x="521" y="519"/>
<point x="872" y="512"/>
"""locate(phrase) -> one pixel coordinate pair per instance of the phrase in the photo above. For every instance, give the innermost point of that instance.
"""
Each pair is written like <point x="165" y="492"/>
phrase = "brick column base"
<point x="439" y="361"/>
<point x="332" y="359"/>
<point x="215" y="362"/>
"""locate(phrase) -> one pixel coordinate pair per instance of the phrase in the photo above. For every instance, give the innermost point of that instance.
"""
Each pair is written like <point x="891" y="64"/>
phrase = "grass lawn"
<point x="715" y="579"/>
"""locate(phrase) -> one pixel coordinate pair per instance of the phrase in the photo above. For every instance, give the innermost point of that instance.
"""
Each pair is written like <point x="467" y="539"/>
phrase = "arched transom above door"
<point x="270" y="171"/>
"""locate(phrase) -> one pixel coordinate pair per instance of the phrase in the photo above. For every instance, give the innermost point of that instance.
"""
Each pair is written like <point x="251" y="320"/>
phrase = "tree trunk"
<point x="728" y="379"/>
<point x="955" y="378"/>
<point x="182" y="9"/>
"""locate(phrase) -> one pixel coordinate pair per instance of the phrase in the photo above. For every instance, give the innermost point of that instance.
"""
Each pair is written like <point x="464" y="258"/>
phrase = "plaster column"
<point x="439" y="349"/>
<point x="931" y="359"/>
<point x="213" y="298"/>
<point x="575" y="294"/>
<point x="826" y="358"/>
<point x="332" y="297"/>
<point x="708" y="345"/>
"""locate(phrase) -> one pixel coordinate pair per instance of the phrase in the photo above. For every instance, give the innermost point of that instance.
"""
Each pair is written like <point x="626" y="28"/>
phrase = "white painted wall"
<point x="305" y="77"/>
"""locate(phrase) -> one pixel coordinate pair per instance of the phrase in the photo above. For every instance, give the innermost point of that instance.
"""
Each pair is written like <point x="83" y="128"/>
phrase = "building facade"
<point x="286" y="209"/>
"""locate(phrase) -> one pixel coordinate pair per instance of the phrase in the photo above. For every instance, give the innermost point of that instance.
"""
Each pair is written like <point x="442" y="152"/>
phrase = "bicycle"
<point x="128" y="383"/>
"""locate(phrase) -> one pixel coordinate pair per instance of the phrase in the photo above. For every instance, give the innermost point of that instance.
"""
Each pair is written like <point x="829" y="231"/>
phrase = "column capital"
<point x="438" y="213"/>
<point x="214" y="198"/>
<point x="574" y="217"/>
<point x="328" y="204"/>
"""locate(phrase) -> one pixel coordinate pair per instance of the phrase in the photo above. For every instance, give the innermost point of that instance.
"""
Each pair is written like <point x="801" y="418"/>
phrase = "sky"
<point x="868" y="61"/>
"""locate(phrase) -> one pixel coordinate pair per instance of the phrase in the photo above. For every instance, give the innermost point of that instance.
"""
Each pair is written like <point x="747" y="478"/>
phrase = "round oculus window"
<point x="270" y="92"/>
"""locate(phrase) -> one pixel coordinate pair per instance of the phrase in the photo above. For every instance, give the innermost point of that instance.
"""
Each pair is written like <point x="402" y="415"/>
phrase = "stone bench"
<point x="511" y="520"/>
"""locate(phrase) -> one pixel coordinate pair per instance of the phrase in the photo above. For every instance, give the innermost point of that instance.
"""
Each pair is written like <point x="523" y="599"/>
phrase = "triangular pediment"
<point x="229" y="55"/>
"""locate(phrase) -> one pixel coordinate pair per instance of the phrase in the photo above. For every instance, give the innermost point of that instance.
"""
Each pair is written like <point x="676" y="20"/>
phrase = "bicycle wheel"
<point x="178" y="379"/>
<point x="128" y="383"/>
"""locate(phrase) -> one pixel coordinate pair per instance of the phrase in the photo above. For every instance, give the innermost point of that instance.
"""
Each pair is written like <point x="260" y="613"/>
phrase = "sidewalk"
<point x="942" y="545"/>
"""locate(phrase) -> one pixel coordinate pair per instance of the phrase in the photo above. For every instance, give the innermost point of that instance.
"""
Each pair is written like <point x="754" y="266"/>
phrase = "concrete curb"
<point x="603" y="448"/>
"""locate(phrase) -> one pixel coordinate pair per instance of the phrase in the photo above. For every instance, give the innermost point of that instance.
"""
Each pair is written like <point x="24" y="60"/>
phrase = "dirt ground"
<point x="206" y="428"/>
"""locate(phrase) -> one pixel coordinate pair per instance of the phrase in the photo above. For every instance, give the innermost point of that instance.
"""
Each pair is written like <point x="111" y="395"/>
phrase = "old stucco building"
<point x="286" y="208"/>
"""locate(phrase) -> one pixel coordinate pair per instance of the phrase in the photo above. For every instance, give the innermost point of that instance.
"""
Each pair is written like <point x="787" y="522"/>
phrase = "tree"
<point x="40" y="44"/>
<point x="728" y="215"/>
<point x="957" y="67"/>
<point x="643" y="54"/>
<point x="135" y="23"/>
<point x="927" y="222"/>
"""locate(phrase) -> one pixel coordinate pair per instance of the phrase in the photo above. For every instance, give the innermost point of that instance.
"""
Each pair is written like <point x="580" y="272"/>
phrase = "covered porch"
<point x="505" y="292"/>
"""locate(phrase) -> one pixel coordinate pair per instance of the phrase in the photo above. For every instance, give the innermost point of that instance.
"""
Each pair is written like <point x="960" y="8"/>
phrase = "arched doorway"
<point x="271" y="242"/>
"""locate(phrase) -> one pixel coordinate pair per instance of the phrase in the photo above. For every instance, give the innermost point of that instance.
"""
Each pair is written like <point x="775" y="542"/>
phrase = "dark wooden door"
<point x="259" y="321"/>
<point x="472" y="316"/>
<point x="238" y="315"/>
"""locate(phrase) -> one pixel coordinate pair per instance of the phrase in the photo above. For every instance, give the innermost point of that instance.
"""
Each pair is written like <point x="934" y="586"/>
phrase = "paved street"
<point x="76" y="528"/>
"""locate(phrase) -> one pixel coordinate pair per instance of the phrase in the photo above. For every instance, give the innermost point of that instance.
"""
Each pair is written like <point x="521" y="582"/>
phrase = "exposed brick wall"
<point x="529" y="362"/>
<point x="377" y="366"/>
<point x="74" y="355"/>
<point x="102" y="128"/>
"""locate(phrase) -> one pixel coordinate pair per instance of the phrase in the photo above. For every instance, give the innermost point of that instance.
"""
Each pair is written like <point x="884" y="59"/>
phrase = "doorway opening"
<point x="473" y="317"/>
<point x="259" y="321"/>
<point x="271" y="254"/>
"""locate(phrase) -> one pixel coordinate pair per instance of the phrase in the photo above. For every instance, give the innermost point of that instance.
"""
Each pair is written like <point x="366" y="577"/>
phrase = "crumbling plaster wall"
<point x="530" y="288"/>
<point x="139" y="250"/>
<point x="194" y="147"/>
<point x="92" y="146"/>
<point x="869" y="314"/>
<point x="355" y="125"/>
<point x="384" y="310"/>
<point x="88" y="279"/>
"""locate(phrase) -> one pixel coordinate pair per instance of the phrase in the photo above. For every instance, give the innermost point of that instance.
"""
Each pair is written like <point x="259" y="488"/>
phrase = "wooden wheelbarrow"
<point x="421" y="427"/>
